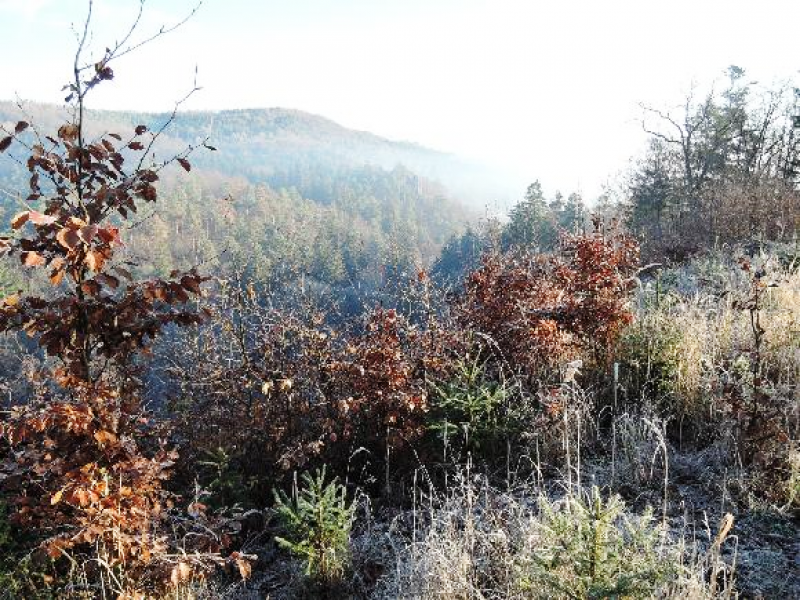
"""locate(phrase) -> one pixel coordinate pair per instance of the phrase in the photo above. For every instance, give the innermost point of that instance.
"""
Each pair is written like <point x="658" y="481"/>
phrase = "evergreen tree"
<point x="532" y="224"/>
<point x="572" y="217"/>
<point x="460" y="255"/>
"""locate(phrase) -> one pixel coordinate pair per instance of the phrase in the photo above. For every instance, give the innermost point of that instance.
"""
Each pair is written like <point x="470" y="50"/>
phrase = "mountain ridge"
<point x="260" y="144"/>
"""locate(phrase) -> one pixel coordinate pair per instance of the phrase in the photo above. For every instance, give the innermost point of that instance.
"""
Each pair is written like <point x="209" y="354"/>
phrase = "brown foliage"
<point x="380" y="381"/>
<point x="267" y="391"/>
<point x="540" y="311"/>
<point x="275" y="390"/>
<point x="100" y="488"/>
<point x="83" y="469"/>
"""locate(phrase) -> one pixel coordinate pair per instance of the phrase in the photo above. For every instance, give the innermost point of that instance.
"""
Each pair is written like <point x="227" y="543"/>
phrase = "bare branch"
<point x="120" y="49"/>
<point x="665" y="117"/>
<point x="167" y="123"/>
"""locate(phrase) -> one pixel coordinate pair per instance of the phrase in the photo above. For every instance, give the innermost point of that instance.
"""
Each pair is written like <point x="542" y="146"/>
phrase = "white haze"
<point x="534" y="90"/>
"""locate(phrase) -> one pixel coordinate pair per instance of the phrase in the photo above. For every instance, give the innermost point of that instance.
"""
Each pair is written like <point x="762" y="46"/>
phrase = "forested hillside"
<point x="283" y="196"/>
<point x="285" y="148"/>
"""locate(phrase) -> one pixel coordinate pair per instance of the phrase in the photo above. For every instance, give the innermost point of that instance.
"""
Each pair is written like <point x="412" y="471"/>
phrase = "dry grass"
<point x="478" y="542"/>
<point x="692" y="335"/>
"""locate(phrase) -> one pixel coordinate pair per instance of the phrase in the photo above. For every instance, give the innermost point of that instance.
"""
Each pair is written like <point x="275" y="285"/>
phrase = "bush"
<point x="541" y="311"/>
<point x="470" y="412"/>
<point x="317" y="520"/>
<point x="288" y="387"/>
<point x="247" y="392"/>
<point x="84" y="464"/>
<point x="379" y="381"/>
<point x="589" y="548"/>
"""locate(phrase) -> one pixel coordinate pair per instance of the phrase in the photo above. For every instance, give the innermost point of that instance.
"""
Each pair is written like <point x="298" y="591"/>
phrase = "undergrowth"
<point x="477" y="541"/>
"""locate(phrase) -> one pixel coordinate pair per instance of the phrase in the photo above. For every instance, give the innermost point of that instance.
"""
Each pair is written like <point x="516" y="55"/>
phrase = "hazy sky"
<point x="546" y="89"/>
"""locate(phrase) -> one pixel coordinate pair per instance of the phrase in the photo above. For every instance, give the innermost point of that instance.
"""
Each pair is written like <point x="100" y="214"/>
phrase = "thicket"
<point x="283" y="387"/>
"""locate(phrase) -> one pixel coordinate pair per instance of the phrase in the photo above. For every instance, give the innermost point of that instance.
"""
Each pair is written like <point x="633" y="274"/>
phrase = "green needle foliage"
<point x="317" y="520"/>
<point x="590" y="548"/>
<point x="470" y="408"/>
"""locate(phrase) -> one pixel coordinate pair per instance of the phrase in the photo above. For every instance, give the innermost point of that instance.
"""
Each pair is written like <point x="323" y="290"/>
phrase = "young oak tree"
<point x="84" y="467"/>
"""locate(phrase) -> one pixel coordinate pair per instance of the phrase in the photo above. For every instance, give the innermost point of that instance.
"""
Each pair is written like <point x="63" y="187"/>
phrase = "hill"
<point x="303" y="196"/>
<point x="281" y="147"/>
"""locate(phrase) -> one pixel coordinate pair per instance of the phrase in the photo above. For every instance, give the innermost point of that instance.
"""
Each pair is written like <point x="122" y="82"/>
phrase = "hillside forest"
<point x="253" y="353"/>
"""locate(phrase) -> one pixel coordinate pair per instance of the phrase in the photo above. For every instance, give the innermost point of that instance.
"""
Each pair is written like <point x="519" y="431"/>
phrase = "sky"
<point x="548" y="90"/>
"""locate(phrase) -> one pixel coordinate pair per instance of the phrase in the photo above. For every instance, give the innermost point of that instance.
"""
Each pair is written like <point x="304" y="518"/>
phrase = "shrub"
<point x="541" y="311"/>
<point x="248" y="390"/>
<point x="589" y="548"/>
<point x="317" y="520"/>
<point x="85" y="464"/>
<point x="379" y="381"/>
<point x="381" y="384"/>
<point x="223" y="481"/>
<point x="761" y="426"/>
<point x="469" y="411"/>
<point x="80" y="453"/>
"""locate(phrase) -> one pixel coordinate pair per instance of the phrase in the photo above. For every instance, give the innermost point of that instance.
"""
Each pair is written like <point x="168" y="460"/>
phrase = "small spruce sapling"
<point x="317" y="520"/>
